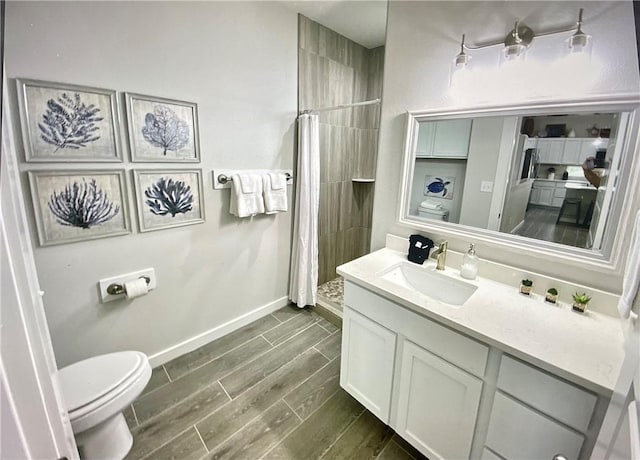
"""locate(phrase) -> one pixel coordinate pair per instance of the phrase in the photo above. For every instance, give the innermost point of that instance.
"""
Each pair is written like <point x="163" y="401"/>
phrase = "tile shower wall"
<point x="334" y="70"/>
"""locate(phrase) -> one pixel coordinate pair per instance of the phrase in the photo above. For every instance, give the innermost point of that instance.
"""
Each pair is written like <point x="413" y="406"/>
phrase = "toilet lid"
<point x="85" y="381"/>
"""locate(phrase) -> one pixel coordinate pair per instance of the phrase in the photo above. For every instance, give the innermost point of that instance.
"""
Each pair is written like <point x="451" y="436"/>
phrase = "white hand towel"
<point x="631" y="281"/>
<point x="274" y="192"/>
<point x="278" y="181"/>
<point x="246" y="195"/>
<point x="428" y="204"/>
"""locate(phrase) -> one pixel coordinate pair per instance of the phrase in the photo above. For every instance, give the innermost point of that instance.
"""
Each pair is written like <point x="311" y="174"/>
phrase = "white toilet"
<point x="436" y="214"/>
<point x="96" y="391"/>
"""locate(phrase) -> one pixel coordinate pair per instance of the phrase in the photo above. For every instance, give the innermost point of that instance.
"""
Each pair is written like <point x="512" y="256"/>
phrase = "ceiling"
<point x="363" y="21"/>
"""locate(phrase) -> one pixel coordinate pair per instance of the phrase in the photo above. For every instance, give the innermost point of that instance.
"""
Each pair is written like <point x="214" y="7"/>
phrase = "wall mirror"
<point x="516" y="174"/>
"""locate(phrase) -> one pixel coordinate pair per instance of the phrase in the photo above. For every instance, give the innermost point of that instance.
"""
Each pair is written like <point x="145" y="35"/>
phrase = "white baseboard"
<point x="204" y="338"/>
<point x="517" y="227"/>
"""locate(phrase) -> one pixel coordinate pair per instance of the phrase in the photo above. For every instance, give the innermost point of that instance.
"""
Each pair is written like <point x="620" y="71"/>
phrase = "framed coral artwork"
<point x="62" y="122"/>
<point x="71" y="206"/>
<point x="168" y="198"/>
<point x="162" y="130"/>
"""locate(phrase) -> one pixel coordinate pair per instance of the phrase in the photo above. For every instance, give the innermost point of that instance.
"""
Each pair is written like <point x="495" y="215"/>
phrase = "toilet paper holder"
<point x="117" y="288"/>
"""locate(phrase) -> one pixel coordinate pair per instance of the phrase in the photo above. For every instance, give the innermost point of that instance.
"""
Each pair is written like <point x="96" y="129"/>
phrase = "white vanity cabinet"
<point x="444" y="139"/>
<point x="430" y="374"/>
<point x="440" y="390"/>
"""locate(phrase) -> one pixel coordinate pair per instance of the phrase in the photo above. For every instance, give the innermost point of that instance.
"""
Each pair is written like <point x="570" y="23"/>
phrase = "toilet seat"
<point x="98" y="388"/>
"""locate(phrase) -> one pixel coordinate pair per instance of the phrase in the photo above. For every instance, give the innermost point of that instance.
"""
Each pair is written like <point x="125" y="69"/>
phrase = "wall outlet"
<point x="486" y="186"/>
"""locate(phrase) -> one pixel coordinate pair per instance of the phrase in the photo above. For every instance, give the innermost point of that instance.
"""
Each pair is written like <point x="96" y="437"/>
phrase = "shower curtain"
<point x="304" y="253"/>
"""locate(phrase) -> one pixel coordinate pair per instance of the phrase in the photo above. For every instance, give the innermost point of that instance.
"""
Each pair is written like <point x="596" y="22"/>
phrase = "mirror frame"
<point x="609" y="255"/>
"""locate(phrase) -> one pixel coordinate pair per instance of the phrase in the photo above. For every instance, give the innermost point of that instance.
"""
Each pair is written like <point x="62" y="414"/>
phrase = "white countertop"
<point x="586" y="349"/>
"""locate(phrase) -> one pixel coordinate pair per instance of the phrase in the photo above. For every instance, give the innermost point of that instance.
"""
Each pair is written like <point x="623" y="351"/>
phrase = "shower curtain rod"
<point x="343" y="106"/>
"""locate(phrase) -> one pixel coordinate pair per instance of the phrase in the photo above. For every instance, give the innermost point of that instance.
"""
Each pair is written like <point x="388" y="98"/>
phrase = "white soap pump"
<point x="469" y="269"/>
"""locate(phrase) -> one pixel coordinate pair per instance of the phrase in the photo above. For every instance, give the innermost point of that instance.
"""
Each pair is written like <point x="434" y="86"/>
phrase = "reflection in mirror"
<point x="546" y="177"/>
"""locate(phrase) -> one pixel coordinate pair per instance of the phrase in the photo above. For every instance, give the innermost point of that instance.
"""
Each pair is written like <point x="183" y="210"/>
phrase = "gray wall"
<point x="484" y="149"/>
<point x="439" y="167"/>
<point x="423" y="38"/>
<point x="335" y="70"/>
<point x="238" y="61"/>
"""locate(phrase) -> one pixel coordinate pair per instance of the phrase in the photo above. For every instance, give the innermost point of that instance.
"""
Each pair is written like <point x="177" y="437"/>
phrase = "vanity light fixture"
<point x="520" y="39"/>
<point x="580" y="42"/>
<point x="462" y="59"/>
<point x="517" y="42"/>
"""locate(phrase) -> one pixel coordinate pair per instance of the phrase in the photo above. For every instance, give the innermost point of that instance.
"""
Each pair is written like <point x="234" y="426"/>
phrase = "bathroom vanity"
<point x="486" y="373"/>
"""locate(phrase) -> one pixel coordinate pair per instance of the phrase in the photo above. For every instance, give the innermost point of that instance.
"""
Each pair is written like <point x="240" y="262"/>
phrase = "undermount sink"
<point x="429" y="282"/>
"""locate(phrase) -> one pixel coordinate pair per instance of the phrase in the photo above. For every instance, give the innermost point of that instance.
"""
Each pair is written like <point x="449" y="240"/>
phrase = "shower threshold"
<point x="331" y="295"/>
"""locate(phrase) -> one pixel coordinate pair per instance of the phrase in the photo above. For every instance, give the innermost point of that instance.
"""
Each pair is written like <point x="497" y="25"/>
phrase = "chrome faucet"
<point x="440" y="255"/>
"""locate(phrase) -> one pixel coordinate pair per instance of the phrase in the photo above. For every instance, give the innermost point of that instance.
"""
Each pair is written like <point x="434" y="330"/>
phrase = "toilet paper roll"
<point x="136" y="288"/>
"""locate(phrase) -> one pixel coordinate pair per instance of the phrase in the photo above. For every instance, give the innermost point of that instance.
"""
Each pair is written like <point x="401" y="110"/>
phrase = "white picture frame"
<point x="68" y="123"/>
<point x="79" y="205"/>
<point x="162" y="130"/>
<point x="168" y="198"/>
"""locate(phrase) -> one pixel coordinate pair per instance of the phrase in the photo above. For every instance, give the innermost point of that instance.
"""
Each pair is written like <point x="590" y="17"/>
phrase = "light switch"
<point x="486" y="186"/>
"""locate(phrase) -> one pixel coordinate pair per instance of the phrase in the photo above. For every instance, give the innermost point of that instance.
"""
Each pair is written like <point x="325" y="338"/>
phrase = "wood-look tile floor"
<point x="268" y="390"/>
<point x="540" y="223"/>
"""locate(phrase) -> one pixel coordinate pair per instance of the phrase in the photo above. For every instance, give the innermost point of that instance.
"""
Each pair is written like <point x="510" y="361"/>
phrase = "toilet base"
<point x="110" y="440"/>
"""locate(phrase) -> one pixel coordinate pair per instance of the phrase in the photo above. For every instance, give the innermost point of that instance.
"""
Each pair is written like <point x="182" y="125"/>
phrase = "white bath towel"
<point x="428" y="204"/>
<point x="274" y="192"/>
<point x="246" y="195"/>
<point x="631" y="281"/>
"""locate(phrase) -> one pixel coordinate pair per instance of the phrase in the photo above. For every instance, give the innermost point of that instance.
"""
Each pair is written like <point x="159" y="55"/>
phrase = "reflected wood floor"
<point x="268" y="390"/>
<point x="540" y="224"/>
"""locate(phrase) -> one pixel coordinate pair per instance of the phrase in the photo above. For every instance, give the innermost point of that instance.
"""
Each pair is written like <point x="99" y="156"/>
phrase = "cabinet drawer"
<point x="450" y="345"/>
<point x="562" y="401"/>
<point x="518" y="433"/>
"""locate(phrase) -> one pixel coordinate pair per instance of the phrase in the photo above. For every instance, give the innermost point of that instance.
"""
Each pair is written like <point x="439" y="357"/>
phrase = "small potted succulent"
<point x="525" y="286"/>
<point x="551" y="296"/>
<point x="580" y="302"/>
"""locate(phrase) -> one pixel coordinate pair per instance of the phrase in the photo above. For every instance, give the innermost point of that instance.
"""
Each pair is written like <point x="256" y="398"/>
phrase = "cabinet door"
<point x="544" y="150"/>
<point x="559" y="192"/>
<point x="546" y="196"/>
<point x="550" y="150"/>
<point x="367" y="363"/>
<point x="437" y="404"/>
<point x="556" y="149"/>
<point x="426" y="132"/>
<point x="534" y="197"/>
<point x="517" y="433"/>
<point x="451" y="139"/>
<point x="571" y="153"/>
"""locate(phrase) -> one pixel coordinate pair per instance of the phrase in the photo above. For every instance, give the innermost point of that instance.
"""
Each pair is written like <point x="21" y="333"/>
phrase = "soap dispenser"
<point x="469" y="268"/>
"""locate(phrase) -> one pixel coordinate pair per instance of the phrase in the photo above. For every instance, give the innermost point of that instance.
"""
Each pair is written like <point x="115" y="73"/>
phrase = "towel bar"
<point x="223" y="179"/>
